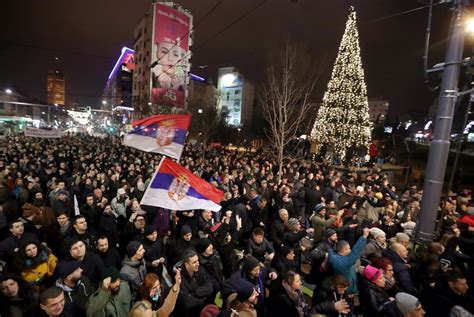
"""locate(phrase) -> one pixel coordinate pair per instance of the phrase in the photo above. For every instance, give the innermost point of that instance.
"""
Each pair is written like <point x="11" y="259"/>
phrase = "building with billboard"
<point x="161" y="44"/>
<point x="378" y="110"/>
<point x="118" y="89"/>
<point x="56" y="88"/>
<point x="236" y="96"/>
<point x="117" y="94"/>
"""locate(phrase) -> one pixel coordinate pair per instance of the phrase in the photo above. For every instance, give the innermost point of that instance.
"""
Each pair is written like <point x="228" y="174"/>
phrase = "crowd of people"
<point x="311" y="240"/>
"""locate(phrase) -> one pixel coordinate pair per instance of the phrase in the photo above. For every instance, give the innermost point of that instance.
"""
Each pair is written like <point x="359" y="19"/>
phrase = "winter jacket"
<point x="258" y="250"/>
<point x="276" y="232"/>
<point x="369" y="212"/>
<point x="319" y="224"/>
<point x="401" y="270"/>
<point x="376" y="301"/>
<point x="213" y="267"/>
<point x="36" y="275"/>
<point x="104" y="303"/>
<point x="325" y="298"/>
<point x="194" y="293"/>
<point x="372" y="249"/>
<point x="133" y="272"/>
<point x="280" y="304"/>
<point x="345" y="265"/>
<point x="91" y="265"/>
<point x="78" y="295"/>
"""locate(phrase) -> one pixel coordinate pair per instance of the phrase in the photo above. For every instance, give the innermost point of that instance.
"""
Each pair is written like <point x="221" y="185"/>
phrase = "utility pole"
<point x="439" y="149"/>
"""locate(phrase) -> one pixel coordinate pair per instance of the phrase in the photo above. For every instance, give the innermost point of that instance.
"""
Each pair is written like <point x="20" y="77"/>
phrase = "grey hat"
<point x="406" y="303"/>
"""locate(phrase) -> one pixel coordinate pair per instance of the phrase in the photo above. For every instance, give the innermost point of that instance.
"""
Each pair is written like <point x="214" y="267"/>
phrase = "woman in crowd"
<point x="154" y="302"/>
<point x="376" y="300"/>
<point x="36" y="264"/>
<point x="288" y="300"/>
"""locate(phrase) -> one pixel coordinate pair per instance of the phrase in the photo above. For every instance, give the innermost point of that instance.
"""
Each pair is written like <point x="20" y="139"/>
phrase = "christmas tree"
<point x="343" y="118"/>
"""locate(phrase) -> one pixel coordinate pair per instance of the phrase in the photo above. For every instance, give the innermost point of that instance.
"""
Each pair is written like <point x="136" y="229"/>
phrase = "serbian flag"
<point x="177" y="188"/>
<point x="164" y="134"/>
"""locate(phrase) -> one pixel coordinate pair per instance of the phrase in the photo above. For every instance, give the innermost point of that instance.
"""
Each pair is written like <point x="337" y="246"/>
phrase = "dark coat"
<point x="258" y="250"/>
<point x="276" y="232"/>
<point x="213" y="267"/>
<point x="324" y="300"/>
<point x="111" y="258"/>
<point x="401" y="270"/>
<point x="108" y="225"/>
<point x="194" y="293"/>
<point x="91" y="265"/>
<point x="282" y="265"/>
<point x="280" y="304"/>
<point x="376" y="301"/>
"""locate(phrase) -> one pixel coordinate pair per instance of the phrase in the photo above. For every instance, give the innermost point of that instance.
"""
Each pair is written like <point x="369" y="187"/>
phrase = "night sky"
<point x="87" y="37"/>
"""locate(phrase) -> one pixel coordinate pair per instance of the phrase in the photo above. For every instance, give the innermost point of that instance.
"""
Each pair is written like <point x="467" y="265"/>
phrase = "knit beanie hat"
<point x="376" y="232"/>
<point x="64" y="269"/>
<point x="185" y="230"/>
<point x="329" y="232"/>
<point x="250" y="263"/>
<point x="244" y="290"/>
<point x="202" y="244"/>
<point x="406" y="303"/>
<point x="132" y="248"/>
<point x="148" y="230"/>
<point x="293" y="221"/>
<point x="372" y="274"/>
<point x="285" y="250"/>
<point x="319" y="207"/>
<point x="111" y="272"/>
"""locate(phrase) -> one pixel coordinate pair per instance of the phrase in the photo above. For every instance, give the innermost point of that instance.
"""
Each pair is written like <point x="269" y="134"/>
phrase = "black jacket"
<point x="401" y="271"/>
<point x="376" y="301"/>
<point x="194" y="293"/>
<point x="280" y="304"/>
<point x="91" y="265"/>
<point x="213" y="267"/>
<point x="276" y="232"/>
<point x="282" y="265"/>
<point x="111" y="258"/>
<point x="324" y="300"/>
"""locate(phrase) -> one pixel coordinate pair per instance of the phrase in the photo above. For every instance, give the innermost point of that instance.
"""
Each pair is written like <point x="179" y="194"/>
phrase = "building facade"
<point x="56" y="88"/>
<point x="161" y="45"/>
<point x="236" y="96"/>
<point x="118" y="89"/>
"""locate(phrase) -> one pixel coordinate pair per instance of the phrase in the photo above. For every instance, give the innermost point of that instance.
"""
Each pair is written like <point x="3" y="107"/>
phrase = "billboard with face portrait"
<point x="170" y="54"/>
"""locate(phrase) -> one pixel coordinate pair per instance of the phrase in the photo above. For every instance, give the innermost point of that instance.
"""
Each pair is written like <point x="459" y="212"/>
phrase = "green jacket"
<point x="105" y="304"/>
<point x="319" y="223"/>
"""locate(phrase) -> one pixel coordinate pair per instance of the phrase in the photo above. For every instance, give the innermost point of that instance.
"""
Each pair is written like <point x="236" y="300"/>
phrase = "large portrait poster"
<point x="170" y="50"/>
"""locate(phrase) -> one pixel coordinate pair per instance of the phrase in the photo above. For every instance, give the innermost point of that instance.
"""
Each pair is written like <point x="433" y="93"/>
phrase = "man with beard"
<point x="77" y="288"/>
<point x="109" y="255"/>
<point x="113" y="297"/>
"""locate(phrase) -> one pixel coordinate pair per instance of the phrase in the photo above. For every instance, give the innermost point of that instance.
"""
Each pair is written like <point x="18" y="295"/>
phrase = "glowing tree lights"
<point x="343" y="118"/>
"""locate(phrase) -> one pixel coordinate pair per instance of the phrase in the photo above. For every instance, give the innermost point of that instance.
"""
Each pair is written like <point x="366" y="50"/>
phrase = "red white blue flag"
<point x="164" y="134"/>
<point x="177" y="188"/>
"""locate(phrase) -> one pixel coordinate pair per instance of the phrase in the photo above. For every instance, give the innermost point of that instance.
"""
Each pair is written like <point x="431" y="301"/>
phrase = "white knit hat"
<point x="376" y="232"/>
<point x="406" y="303"/>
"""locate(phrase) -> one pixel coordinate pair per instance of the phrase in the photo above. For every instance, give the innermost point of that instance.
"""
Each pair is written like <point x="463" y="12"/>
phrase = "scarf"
<point x="297" y="298"/>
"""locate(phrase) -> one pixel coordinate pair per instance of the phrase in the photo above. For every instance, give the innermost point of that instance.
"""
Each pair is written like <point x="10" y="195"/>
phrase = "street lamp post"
<point x="439" y="149"/>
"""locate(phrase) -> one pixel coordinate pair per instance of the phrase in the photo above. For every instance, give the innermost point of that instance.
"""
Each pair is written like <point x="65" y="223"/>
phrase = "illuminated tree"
<point x="343" y="118"/>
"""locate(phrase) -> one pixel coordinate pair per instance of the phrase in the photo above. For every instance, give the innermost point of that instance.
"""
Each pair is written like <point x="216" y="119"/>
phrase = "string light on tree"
<point x="343" y="118"/>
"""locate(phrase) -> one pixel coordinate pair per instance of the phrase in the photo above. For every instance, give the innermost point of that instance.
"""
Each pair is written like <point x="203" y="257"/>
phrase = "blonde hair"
<point x="139" y="309"/>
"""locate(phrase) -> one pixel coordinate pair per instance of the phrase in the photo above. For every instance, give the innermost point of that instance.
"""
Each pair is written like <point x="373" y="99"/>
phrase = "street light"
<point x="149" y="103"/>
<point x="8" y="91"/>
<point x="104" y="102"/>
<point x="199" y="110"/>
<point x="470" y="26"/>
